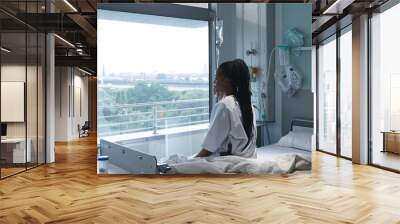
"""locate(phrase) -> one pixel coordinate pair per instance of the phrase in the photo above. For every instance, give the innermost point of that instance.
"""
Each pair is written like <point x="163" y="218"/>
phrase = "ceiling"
<point x="72" y="20"/>
<point x="329" y="15"/>
<point x="75" y="21"/>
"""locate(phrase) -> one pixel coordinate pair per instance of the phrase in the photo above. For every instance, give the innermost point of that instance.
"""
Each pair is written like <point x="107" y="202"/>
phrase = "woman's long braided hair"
<point x="238" y="73"/>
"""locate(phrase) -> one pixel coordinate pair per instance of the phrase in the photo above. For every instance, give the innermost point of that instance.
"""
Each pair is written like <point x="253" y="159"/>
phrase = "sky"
<point x="131" y="45"/>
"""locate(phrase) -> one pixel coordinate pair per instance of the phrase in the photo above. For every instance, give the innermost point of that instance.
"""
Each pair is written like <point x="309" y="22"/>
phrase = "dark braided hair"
<point x="238" y="73"/>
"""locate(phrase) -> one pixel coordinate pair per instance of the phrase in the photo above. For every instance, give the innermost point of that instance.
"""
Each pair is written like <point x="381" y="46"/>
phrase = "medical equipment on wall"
<point x="287" y="76"/>
<point x="254" y="71"/>
<point x="256" y="97"/>
<point x="294" y="38"/>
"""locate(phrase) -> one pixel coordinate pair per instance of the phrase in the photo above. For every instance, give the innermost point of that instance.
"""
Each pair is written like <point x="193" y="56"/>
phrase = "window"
<point x="327" y="96"/>
<point x="153" y="82"/>
<point x="385" y="84"/>
<point x="394" y="101"/>
<point x="346" y="94"/>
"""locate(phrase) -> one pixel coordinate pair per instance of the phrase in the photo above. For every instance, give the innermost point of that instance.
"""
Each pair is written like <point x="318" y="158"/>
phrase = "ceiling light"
<point x="79" y="51"/>
<point x="326" y="11"/>
<point x="70" y="5"/>
<point x="337" y="7"/>
<point x="5" y="50"/>
<point x="84" y="71"/>
<point x="64" y="40"/>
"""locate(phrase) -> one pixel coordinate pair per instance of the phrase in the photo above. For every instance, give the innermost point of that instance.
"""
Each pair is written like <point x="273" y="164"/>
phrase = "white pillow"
<point x="287" y="140"/>
<point x="297" y="139"/>
<point x="302" y="140"/>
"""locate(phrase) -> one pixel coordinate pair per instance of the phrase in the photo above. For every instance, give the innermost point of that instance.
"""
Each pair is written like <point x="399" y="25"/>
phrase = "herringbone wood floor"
<point x="70" y="191"/>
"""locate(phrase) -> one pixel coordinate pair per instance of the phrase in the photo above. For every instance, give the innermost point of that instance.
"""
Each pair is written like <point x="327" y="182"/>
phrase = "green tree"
<point x="144" y="93"/>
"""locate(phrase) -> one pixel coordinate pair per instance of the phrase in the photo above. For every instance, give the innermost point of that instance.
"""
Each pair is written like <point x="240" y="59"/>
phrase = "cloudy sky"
<point x="129" y="42"/>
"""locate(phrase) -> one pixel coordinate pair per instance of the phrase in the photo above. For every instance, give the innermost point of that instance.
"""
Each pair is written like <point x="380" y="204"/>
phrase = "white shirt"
<point x="226" y="127"/>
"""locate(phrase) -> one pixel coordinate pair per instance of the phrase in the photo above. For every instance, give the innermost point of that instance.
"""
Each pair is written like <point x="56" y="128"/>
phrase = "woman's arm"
<point x="217" y="132"/>
<point x="203" y="153"/>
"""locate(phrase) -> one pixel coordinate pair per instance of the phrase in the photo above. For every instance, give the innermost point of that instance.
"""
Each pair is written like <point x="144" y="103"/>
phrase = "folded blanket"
<point x="285" y="163"/>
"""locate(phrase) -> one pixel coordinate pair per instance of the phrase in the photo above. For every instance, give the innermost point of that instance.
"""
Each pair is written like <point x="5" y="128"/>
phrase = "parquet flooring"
<point x="10" y="171"/>
<point x="387" y="159"/>
<point x="70" y="191"/>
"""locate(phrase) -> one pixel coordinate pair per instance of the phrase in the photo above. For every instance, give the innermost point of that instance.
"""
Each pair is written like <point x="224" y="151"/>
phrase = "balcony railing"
<point x="140" y="117"/>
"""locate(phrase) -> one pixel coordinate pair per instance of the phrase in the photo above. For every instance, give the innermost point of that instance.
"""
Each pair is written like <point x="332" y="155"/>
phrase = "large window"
<point x="385" y="86"/>
<point x="327" y="96"/>
<point x="346" y="93"/>
<point x="335" y="94"/>
<point x="153" y="81"/>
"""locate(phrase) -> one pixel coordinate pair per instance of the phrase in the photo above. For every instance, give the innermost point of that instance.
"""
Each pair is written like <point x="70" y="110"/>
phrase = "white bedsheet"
<point x="271" y="159"/>
<point x="276" y="150"/>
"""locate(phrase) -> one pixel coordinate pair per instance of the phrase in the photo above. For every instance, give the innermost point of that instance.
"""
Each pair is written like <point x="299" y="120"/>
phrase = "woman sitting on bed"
<point x="232" y="124"/>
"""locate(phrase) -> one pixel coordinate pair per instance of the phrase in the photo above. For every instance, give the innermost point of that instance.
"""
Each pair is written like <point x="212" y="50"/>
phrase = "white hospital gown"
<point x="226" y="127"/>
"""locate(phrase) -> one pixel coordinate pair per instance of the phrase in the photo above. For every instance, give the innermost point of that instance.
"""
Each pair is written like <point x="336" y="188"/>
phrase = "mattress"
<point x="269" y="151"/>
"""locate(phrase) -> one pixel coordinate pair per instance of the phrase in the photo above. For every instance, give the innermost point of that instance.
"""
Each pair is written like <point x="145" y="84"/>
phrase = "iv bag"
<point x="282" y="78"/>
<point x="283" y="54"/>
<point x="219" y="26"/>
<point x="295" y="80"/>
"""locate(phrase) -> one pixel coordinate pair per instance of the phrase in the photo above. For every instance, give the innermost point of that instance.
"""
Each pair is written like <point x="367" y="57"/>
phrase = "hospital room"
<point x="204" y="88"/>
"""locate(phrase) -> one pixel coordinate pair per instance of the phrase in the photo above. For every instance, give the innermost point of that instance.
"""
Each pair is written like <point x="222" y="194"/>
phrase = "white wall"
<point x="33" y="126"/>
<point x="71" y="102"/>
<point x="12" y="73"/>
<point x="62" y="81"/>
<point x="80" y="110"/>
<point x="16" y="73"/>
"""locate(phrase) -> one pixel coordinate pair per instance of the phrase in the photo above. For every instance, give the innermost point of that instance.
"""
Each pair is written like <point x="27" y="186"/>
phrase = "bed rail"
<point x="129" y="159"/>
<point x="302" y="122"/>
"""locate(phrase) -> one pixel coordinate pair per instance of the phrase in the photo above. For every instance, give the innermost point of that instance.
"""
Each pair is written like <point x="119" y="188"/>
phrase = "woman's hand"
<point x="204" y="153"/>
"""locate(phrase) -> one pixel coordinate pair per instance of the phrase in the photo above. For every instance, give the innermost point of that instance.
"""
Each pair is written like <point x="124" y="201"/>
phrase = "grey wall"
<point x="261" y="26"/>
<point x="247" y="26"/>
<point x="300" y="106"/>
<point x="227" y="12"/>
<point x="297" y="16"/>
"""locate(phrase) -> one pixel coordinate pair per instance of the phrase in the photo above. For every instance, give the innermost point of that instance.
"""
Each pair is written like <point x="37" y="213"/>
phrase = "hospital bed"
<point x="128" y="160"/>
<point x="277" y="149"/>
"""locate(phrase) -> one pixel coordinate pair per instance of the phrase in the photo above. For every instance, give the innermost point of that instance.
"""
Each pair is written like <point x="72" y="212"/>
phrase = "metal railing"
<point x="139" y="117"/>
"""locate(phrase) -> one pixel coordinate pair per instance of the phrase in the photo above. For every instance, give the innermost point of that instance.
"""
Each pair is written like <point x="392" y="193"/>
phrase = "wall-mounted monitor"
<point x="12" y="101"/>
